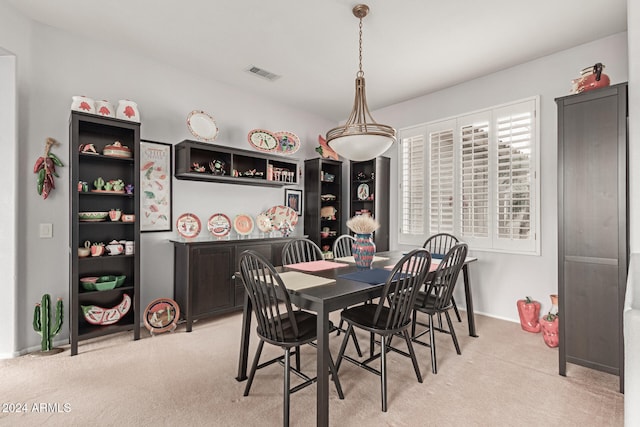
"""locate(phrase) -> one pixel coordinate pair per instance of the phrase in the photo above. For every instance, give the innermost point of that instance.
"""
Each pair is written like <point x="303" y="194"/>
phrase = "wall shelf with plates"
<point x="198" y="161"/>
<point x="91" y="221"/>
<point x="369" y="194"/>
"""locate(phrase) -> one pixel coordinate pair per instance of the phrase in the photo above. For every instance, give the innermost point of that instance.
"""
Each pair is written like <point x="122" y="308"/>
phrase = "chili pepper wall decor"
<point x="45" y="168"/>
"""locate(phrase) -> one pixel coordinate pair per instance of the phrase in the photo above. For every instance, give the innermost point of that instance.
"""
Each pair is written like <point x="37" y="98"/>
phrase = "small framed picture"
<point x="293" y="200"/>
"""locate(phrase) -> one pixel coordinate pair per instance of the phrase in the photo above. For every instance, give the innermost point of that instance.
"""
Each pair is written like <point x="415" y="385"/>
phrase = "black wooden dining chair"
<point x="437" y="299"/>
<point x="342" y="246"/>
<point x="278" y="323"/>
<point x="391" y="315"/>
<point x="439" y="244"/>
<point x="301" y="250"/>
<point x="305" y="250"/>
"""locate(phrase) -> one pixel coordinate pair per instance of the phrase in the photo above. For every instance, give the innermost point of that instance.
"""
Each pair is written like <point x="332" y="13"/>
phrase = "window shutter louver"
<point x="474" y="179"/>
<point x="441" y="182"/>
<point x="413" y="185"/>
<point x="514" y="176"/>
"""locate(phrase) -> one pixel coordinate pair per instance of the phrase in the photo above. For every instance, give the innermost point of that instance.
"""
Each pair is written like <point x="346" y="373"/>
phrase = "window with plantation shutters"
<point x="412" y="185"/>
<point x="478" y="179"/>
<point x="474" y="179"/>
<point x="441" y="180"/>
<point x="514" y="175"/>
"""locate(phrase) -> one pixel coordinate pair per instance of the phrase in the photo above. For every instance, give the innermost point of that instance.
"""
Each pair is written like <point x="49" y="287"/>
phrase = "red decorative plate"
<point x="219" y="225"/>
<point x="188" y="225"/>
<point x="161" y="315"/>
<point x="243" y="224"/>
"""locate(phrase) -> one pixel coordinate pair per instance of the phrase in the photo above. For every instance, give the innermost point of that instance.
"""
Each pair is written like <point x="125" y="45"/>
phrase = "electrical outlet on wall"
<point x="46" y="231"/>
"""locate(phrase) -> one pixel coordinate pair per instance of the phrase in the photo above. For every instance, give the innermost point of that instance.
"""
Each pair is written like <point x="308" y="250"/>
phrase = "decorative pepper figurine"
<point x="529" y="312"/>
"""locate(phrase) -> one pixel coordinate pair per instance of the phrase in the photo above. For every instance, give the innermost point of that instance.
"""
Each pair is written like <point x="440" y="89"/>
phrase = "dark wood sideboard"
<point x="204" y="282"/>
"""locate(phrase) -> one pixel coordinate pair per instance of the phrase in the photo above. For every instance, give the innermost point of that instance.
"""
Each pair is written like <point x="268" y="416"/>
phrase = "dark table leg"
<point x="469" y="300"/>
<point x="244" y="340"/>
<point x="322" y="369"/>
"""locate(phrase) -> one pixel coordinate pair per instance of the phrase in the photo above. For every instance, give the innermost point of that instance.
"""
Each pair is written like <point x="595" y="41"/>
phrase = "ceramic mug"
<point x="129" y="247"/>
<point x="97" y="250"/>
<point x="115" y="214"/>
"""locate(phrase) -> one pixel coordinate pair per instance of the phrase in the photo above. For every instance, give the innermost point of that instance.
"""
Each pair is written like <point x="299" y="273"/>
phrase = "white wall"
<point x="8" y="192"/>
<point x="63" y="66"/>
<point x="499" y="279"/>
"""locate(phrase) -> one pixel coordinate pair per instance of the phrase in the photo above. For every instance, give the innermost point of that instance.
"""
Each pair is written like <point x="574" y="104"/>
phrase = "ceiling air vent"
<point x="256" y="71"/>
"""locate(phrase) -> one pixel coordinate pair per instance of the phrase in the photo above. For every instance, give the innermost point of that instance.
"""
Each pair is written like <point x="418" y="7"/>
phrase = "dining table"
<point x="325" y="299"/>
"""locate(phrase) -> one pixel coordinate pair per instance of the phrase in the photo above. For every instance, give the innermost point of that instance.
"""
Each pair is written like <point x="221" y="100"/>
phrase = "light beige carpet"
<point x="506" y="377"/>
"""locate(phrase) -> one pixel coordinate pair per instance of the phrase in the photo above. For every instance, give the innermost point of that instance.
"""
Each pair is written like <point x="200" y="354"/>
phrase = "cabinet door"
<point x="211" y="277"/>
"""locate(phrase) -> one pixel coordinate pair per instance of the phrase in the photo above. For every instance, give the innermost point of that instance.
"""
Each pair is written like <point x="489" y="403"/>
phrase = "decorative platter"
<point x="288" y="143"/>
<point x="243" y="224"/>
<point x="202" y="126"/>
<point x="363" y="191"/>
<point x="106" y="316"/>
<point x="219" y="225"/>
<point x="188" y="225"/>
<point x="161" y="315"/>
<point x="93" y="216"/>
<point x="280" y="213"/>
<point x="263" y="221"/>
<point x="263" y="140"/>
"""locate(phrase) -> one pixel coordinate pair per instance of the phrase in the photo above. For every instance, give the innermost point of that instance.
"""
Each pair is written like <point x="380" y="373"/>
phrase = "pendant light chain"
<point x="360" y="73"/>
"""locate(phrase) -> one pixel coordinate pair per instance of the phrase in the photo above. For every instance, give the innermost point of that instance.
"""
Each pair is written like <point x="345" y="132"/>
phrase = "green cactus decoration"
<point x="41" y="321"/>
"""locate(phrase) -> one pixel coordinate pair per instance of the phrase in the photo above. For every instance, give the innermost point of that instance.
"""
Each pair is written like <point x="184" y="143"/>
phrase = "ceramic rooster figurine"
<point x="324" y="149"/>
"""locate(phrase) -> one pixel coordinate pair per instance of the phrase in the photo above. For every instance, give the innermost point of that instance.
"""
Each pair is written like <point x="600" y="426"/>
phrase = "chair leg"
<point x="455" y="308"/>
<point x="340" y="326"/>
<point x="254" y="367"/>
<point x="343" y="346"/>
<point x="356" y="343"/>
<point x="412" y="353"/>
<point x="432" y="344"/>
<point x="336" y="380"/>
<point x="413" y="323"/>
<point x="372" y="343"/>
<point x="298" y="358"/>
<point x="452" y="332"/>
<point x="383" y="373"/>
<point x="287" y="382"/>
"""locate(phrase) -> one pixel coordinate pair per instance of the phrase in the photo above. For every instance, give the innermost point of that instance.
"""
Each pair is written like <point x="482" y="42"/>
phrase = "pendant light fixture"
<point x="361" y="138"/>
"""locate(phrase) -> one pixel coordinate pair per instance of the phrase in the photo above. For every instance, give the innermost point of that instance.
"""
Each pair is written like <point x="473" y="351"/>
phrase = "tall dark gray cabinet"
<point x="593" y="249"/>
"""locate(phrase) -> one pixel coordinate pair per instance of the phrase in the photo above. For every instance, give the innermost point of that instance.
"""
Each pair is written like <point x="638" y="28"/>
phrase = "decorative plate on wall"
<point x="219" y="225"/>
<point x="202" y="126"/>
<point x="263" y="140"/>
<point x="243" y="224"/>
<point x="288" y="143"/>
<point x="188" y="225"/>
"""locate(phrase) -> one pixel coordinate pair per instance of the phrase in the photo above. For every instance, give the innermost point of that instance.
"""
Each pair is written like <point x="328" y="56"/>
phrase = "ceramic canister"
<point x="82" y="103"/>
<point x="104" y="108"/>
<point x="129" y="247"/>
<point x="127" y="110"/>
